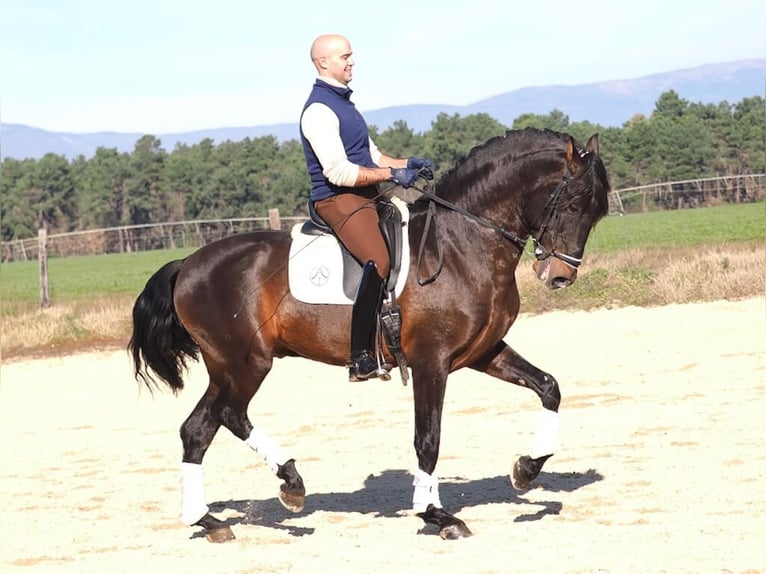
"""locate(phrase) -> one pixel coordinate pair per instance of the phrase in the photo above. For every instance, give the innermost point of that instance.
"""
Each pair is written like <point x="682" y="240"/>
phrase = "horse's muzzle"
<point x="555" y="273"/>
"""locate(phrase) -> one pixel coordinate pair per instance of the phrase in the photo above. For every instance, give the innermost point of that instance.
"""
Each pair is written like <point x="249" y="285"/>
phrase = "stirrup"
<point x="364" y="366"/>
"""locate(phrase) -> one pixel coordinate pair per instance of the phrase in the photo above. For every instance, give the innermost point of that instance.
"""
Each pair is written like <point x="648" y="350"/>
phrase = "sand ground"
<point x="662" y="466"/>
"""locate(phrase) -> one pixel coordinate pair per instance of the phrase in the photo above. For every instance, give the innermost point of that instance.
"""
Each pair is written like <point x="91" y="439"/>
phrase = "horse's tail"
<point x="159" y="342"/>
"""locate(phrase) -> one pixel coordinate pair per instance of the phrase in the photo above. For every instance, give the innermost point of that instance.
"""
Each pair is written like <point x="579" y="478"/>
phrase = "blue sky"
<point x="161" y="66"/>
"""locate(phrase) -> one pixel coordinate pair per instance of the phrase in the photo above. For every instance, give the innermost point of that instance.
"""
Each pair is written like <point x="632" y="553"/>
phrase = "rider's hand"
<point x="422" y="165"/>
<point x="418" y="163"/>
<point x="404" y="176"/>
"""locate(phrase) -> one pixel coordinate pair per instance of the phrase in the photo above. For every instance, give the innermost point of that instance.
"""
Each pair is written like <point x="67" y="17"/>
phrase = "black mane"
<point x="511" y="147"/>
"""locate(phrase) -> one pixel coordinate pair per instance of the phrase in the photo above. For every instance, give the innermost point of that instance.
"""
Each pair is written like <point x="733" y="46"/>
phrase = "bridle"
<point x="548" y="213"/>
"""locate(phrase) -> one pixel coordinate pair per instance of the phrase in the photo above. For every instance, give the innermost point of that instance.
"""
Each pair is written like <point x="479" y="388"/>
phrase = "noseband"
<point x="548" y="213"/>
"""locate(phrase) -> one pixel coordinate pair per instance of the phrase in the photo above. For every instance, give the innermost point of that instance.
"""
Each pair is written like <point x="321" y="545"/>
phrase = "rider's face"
<point x="339" y="61"/>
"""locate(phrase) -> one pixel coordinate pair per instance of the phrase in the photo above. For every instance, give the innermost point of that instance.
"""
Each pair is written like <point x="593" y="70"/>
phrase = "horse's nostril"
<point x="559" y="282"/>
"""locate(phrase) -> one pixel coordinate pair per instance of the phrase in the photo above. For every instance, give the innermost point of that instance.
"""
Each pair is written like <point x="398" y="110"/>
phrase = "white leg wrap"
<point x="271" y="452"/>
<point x="426" y="491"/>
<point x="547" y="435"/>
<point x="193" y="505"/>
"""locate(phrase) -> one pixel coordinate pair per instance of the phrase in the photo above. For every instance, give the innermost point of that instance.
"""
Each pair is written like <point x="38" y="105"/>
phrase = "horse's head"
<point x="568" y="214"/>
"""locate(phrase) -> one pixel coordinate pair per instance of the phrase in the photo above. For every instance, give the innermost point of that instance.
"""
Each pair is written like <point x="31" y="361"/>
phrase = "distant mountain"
<point x="606" y="103"/>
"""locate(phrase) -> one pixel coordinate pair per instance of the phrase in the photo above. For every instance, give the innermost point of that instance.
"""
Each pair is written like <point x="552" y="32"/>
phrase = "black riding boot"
<point x="364" y="314"/>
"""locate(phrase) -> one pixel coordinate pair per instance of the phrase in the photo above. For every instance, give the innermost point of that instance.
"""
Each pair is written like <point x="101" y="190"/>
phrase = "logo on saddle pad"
<point x="321" y="271"/>
<point x="319" y="276"/>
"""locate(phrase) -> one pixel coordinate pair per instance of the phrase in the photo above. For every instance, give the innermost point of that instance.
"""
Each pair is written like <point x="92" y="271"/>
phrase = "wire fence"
<point x="130" y="238"/>
<point x="192" y="234"/>
<point x="688" y="193"/>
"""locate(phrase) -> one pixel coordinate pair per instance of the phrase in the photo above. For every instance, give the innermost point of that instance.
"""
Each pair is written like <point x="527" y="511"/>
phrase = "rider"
<point x="345" y="166"/>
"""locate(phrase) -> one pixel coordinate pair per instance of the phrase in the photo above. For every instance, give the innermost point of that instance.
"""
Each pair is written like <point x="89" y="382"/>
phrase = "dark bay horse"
<point x="230" y="303"/>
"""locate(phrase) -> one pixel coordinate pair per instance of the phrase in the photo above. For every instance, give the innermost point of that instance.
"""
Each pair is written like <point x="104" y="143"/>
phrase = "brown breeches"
<point x="354" y="219"/>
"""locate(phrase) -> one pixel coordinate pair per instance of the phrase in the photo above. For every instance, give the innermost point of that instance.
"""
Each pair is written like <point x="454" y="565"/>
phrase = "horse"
<point x="230" y="302"/>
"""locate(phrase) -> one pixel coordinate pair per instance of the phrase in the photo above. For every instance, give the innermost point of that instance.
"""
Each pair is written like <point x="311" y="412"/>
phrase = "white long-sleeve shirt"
<point x="321" y="128"/>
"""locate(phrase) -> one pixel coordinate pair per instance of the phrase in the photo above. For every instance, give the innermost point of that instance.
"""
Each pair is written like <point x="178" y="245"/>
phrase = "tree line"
<point x="680" y="140"/>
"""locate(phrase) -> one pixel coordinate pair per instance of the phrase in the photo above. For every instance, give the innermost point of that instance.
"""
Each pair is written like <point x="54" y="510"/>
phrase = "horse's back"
<point x="226" y="274"/>
<point x="235" y="251"/>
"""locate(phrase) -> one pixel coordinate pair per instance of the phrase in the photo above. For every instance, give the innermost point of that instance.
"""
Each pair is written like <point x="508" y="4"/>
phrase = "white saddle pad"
<point x="315" y="267"/>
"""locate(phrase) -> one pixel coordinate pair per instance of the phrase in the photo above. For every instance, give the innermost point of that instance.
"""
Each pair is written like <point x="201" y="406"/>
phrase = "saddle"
<point x="322" y="271"/>
<point x="391" y="227"/>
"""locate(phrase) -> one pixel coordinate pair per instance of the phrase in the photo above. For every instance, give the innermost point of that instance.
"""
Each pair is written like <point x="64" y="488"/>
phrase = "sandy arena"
<point x="662" y="466"/>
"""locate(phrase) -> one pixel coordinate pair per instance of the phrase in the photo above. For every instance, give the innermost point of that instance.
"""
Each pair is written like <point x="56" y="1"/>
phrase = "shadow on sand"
<point x="388" y="495"/>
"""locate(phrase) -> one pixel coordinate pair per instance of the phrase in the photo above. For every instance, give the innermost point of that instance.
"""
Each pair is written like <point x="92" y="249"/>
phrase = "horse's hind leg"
<point x="506" y="364"/>
<point x="292" y="492"/>
<point x="225" y="403"/>
<point x="197" y="432"/>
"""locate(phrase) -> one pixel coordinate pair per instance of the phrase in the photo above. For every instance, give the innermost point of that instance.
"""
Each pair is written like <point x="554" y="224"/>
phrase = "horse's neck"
<point x="508" y="201"/>
<point x="461" y="237"/>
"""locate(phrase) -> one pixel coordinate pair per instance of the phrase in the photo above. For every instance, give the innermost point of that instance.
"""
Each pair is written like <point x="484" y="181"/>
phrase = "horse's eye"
<point x="572" y="207"/>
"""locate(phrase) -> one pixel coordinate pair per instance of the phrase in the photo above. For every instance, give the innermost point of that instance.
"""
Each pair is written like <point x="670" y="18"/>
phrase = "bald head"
<point x="332" y="57"/>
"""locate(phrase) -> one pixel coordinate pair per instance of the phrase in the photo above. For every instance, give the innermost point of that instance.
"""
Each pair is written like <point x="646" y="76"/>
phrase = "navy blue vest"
<point x="353" y="133"/>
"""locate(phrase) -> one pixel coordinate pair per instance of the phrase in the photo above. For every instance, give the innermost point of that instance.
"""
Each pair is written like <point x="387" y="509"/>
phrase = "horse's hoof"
<point x="518" y="478"/>
<point x="292" y="500"/>
<point x="526" y="469"/>
<point x="455" y="531"/>
<point x="292" y="492"/>
<point x="219" y="535"/>
<point x="450" y="527"/>
<point x="215" y="530"/>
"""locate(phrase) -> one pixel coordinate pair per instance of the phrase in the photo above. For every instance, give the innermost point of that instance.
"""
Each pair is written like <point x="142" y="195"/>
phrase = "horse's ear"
<point x="574" y="160"/>
<point x="592" y="145"/>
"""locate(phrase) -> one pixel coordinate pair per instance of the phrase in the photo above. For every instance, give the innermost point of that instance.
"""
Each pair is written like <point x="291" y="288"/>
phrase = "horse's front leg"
<point x="428" y="387"/>
<point x="506" y="364"/>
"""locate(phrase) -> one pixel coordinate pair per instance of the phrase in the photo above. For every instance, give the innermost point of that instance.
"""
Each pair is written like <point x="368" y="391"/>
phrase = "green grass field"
<point x="681" y="228"/>
<point x="80" y="278"/>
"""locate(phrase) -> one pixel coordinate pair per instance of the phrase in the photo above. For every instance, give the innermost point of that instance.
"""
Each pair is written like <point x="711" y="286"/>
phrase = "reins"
<point x="431" y="219"/>
<point x="540" y="253"/>
<point x="512" y="237"/>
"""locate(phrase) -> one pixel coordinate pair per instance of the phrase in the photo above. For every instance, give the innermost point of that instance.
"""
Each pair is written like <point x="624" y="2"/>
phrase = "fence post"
<point x="42" y="256"/>
<point x="274" y="221"/>
<point x="23" y="250"/>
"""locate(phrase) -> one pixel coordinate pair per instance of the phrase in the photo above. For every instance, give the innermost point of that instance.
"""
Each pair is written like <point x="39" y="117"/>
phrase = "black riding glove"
<point x="422" y="165"/>
<point x="418" y="163"/>
<point x="403" y="176"/>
